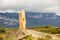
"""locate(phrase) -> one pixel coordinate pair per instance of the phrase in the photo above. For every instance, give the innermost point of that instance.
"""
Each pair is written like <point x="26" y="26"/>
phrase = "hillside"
<point x="29" y="34"/>
<point x="34" y="35"/>
<point x="33" y="19"/>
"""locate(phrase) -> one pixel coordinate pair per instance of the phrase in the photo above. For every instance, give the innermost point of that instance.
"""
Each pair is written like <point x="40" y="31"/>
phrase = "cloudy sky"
<point x="31" y="5"/>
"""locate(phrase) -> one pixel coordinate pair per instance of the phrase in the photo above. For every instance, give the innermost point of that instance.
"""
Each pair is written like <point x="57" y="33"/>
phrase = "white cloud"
<point x="10" y="11"/>
<point x="31" y="5"/>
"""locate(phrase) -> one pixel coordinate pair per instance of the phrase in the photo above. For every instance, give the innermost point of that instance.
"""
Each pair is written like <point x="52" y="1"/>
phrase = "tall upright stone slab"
<point x="22" y="21"/>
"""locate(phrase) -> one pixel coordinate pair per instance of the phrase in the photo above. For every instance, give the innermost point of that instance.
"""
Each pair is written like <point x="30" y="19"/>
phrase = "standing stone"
<point x="22" y="21"/>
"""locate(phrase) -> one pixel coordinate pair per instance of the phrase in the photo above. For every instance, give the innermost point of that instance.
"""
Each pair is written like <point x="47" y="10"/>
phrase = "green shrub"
<point x="2" y="31"/>
<point x="39" y="38"/>
<point x="54" y="31"/>
<point x="29" y="37"/>
<point x="48" y="37"/>
<point x="1" y="38"/>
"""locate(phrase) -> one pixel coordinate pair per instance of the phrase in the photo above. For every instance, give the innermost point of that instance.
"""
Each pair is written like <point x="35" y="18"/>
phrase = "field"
<point x="46" y="29"/>
<point x="9" y="33"/>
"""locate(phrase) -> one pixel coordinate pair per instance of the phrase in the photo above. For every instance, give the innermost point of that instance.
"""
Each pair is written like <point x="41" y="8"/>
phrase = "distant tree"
<point x="49" y="26"/>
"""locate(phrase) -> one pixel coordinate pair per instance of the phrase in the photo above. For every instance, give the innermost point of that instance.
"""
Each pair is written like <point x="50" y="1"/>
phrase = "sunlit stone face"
<point x="22" y="20"/>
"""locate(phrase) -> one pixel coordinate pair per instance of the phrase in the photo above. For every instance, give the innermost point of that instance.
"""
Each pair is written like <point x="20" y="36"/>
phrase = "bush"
<point x="2" y="31"/>
<point x="54" y="31"/>
<point x="29" y="37"/>
<point x="48" y="37"/>
<point x="40" y="38"/>
<point x="1" y="38"/>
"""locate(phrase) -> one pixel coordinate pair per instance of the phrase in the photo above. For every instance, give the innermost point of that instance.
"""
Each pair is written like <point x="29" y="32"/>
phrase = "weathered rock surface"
<point x="22" y="21"/>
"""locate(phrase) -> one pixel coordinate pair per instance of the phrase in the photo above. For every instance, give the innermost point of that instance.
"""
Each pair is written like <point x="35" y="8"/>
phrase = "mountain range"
<point x="32" y="19"/>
